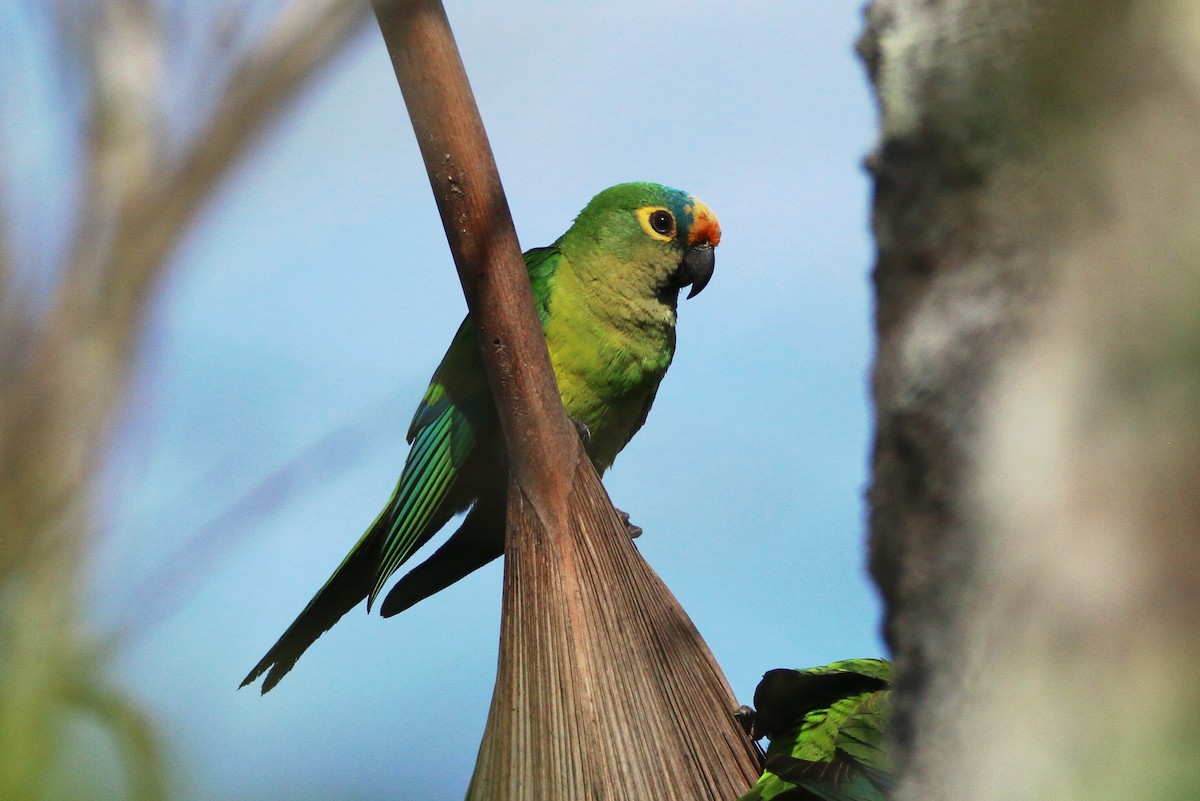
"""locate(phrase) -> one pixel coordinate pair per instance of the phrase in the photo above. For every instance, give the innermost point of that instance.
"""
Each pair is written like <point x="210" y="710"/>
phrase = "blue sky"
<point x="317" y="292"/>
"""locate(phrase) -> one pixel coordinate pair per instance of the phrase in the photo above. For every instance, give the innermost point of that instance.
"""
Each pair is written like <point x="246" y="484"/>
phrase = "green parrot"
<point x="606" y="294"/>
<point x="826" y="726"/>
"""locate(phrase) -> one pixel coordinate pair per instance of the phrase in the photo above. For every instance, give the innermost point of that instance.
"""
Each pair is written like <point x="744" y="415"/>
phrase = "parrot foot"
<point x="581" y="428"/>
<point x="634" y="531"/>
<point x="744" y="715"/>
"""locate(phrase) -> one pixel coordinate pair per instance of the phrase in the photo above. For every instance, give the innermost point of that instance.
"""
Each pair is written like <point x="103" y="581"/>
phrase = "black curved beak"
<point x="697" y="268"/>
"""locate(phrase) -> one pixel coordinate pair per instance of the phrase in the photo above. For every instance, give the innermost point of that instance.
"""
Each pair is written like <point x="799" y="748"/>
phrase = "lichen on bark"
<point x="1037" y="381"/>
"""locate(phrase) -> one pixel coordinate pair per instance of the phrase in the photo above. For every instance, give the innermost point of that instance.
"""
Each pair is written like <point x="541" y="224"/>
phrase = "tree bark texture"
<point x="604" y="687"/>
<point x="1036" y="470"/>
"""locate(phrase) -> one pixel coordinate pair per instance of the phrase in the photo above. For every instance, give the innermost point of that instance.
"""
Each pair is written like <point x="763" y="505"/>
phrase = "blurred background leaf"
<point x="148" y="107"/>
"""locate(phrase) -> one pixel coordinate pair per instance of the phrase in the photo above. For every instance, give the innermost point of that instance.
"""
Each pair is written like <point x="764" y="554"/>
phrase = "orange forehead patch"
<point x="705" y="228"/>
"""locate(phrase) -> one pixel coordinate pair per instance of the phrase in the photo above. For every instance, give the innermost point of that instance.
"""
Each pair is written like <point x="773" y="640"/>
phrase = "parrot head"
<point x="784" y="696"/>
<point x="664" y="236"/>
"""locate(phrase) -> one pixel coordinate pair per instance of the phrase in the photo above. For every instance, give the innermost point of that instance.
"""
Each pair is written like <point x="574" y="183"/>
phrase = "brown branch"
<point x="604" y="687"/>
<point x="124" y="128"/>
<point x="542" y="444"/>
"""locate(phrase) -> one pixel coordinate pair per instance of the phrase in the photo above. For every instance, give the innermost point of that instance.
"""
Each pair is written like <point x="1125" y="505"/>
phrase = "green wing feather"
<point x="827" y="727"/>
<point x="456" y="414"/>
<point x="444" y="432"/>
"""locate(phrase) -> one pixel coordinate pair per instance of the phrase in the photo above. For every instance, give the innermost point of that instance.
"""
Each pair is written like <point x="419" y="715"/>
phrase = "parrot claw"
<point x="581" y="428"/>
<point x="634" y="531"/>
<point x="744" y="715"/>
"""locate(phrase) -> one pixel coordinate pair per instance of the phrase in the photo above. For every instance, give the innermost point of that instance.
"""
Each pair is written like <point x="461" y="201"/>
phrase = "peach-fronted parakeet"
<point x="826" y="726"/>
<point x="606" y="293"/>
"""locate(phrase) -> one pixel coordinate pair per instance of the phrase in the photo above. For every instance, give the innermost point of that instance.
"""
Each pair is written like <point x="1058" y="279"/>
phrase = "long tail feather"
<point x="349" y="585"/>
<point x="346" y="588"/>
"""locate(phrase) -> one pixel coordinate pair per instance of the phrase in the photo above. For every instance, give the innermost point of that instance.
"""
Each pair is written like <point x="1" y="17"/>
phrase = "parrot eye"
<point x="662" y="222"/>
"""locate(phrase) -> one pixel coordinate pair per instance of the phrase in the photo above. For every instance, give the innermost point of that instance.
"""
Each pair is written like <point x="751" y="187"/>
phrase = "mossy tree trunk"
<point x="1035" y="495"/>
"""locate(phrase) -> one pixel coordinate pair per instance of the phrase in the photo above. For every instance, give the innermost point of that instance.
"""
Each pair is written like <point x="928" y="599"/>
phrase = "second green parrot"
<point x="606" y="293"/>
<point x="827" y="726"/>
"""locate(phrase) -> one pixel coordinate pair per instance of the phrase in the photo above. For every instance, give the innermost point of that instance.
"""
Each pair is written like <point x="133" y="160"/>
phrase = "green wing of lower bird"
<point x="827" y="727"/>
<point x="606" y="293"/>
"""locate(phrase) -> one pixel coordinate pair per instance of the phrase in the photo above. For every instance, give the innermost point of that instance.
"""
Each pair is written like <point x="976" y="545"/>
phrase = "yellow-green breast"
<point x="610" y="348"/>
